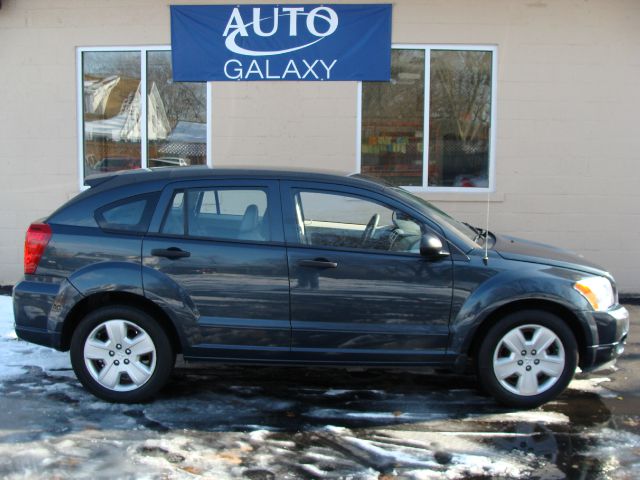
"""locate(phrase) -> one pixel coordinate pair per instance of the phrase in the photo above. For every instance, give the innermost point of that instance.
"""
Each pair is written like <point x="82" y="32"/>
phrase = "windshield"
<point x="474" y="235"/>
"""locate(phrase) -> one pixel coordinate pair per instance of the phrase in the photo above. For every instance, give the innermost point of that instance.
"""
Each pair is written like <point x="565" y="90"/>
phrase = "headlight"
<point x="598" y="292"/>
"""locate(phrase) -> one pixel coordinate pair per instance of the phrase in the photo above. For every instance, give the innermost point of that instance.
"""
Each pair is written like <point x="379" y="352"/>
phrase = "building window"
<point x="121" y="129"/>
<point x="176" y="116"/>
<point x="431" y="127"/>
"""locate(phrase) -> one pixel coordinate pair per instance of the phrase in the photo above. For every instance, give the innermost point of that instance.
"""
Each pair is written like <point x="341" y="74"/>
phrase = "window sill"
<point x="494" y="197"/>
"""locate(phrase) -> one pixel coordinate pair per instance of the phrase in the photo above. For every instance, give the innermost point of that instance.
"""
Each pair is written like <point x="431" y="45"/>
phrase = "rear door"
<point x="221" y="243"/>
<point x="360" y="290"/>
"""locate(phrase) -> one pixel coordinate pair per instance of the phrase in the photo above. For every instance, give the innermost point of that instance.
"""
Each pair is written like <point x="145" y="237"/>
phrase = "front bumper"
<point x="612" y="328"/>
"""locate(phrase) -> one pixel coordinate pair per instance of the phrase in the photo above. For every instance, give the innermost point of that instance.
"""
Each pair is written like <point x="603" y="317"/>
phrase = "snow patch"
<point x="592" y="385"/>
<point x="423" y="461"/>
<point x="334" y="392"/>
<point x="259" y="435"/>
<point x="532" y="416"/>
<point x="619" y="451"/>
<point x="334" y="413"/>
<point x="6" y="316"/>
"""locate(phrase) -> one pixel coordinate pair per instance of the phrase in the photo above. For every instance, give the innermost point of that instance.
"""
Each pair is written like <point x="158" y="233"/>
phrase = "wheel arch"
<point x="473" y="341"/>
<point x="103" y="299"/>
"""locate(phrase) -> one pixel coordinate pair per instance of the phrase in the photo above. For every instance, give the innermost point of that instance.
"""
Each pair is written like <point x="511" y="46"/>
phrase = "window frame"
<point x="142" y="50"/>
<point x="427" y="48"/>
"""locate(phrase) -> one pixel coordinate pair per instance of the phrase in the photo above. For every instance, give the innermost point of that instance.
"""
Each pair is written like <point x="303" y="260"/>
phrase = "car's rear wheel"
<point x="121" y="354"/>
<point x="527" y="358"/>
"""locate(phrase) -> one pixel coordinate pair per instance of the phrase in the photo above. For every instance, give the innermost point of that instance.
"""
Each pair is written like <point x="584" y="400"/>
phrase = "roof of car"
<point x="127" y="177"/>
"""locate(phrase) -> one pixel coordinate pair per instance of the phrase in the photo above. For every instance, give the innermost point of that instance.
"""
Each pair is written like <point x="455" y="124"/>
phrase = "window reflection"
<point x="176" y="113"/>
<point x="111" y="106"/>
<point x="176" y="116"/>
<point x="346" y="221"/>
<point x="459" y="88"/>
<point x="393" y="121"/>
<point x="459" y="118"/>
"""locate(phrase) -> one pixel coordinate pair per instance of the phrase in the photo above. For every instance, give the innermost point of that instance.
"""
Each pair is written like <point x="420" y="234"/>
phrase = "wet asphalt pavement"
<point x="279" y="423"/>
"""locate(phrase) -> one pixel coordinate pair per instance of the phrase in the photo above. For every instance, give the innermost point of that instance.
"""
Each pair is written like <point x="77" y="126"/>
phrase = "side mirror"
<point x="431" y="247"/>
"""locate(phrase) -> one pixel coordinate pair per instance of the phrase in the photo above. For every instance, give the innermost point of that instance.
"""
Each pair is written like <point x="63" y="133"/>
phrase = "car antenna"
<point x="485" y="259"/>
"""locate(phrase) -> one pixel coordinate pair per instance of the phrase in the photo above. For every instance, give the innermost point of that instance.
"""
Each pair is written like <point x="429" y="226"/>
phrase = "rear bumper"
<point x="39" y="310"/>
<point x="612" y="329"/>
<point x="40" y="337"/>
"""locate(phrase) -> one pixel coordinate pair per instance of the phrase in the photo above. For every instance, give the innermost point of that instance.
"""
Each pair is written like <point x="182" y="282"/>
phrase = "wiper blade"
<point x="475" y="229"/>
<point x="485" y="236"/>
<point x="480" y="232"/>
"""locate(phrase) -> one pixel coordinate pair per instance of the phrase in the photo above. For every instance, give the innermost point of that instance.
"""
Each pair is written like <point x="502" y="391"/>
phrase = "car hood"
<point x="513" y="248"/>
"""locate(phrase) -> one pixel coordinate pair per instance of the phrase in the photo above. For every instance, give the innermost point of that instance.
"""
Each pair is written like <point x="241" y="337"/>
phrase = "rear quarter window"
<point x="131" y="214"/>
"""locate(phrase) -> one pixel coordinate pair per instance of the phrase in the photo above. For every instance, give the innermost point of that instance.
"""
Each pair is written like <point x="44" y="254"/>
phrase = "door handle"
<point x="171" y="253"/>
<point x="318" y="263"/>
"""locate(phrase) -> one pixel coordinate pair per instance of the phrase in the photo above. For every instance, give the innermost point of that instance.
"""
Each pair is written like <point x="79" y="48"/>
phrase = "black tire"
<point x="136" y="322"/>
<point x="527" y="322"/>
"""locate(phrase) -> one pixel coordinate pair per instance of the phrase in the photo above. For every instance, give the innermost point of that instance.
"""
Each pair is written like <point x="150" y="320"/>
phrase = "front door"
<point x="221" y="243"/>
<point x="360" y="291"/>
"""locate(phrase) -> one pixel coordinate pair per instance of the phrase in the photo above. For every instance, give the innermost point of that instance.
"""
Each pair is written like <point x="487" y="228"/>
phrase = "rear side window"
<point x="174" y="220"/>
<point x="221" y="213"/>
<point x="235" y="202"/>
<point x="129" y="215"/>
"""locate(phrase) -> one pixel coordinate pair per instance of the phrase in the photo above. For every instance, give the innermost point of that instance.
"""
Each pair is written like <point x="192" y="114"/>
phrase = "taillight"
<point x="38" y="236"/>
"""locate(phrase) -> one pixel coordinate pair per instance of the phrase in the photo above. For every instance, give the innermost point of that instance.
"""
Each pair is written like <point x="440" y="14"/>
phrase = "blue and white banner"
<point x="281" y="42"/>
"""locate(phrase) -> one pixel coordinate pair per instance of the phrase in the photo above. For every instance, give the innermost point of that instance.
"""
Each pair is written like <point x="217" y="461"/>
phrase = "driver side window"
<point x="339" y="220"/>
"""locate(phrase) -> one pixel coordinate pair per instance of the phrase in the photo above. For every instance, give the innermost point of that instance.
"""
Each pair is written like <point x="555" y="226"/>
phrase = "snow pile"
<point x="17" y="355"/>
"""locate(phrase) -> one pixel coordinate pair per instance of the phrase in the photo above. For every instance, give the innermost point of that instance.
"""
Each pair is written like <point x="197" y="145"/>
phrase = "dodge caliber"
<point x="300" y="268"/>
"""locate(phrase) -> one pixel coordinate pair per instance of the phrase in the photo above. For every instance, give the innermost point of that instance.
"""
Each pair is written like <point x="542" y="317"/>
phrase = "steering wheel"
<point x="367" y="235"/>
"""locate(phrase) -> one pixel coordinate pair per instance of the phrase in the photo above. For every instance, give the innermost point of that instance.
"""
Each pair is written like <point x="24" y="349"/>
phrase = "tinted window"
<point x="131" y="214"/>
<point x="222" y="213"/>
<point x="235" y="202"/>
<point x="174" y="220"/>
<point x="339" y="220"/>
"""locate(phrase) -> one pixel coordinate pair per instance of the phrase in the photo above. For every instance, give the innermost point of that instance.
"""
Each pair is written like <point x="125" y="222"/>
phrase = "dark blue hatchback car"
<point x="303" y="268"/>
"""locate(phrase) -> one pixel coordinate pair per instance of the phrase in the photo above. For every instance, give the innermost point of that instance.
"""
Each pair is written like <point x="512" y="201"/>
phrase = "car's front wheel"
<point x="121" y="354"/>
<point x="527" y="358"/>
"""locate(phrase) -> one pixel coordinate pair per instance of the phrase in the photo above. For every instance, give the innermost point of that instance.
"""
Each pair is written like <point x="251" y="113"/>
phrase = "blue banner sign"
<point x="281" y="42"/>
